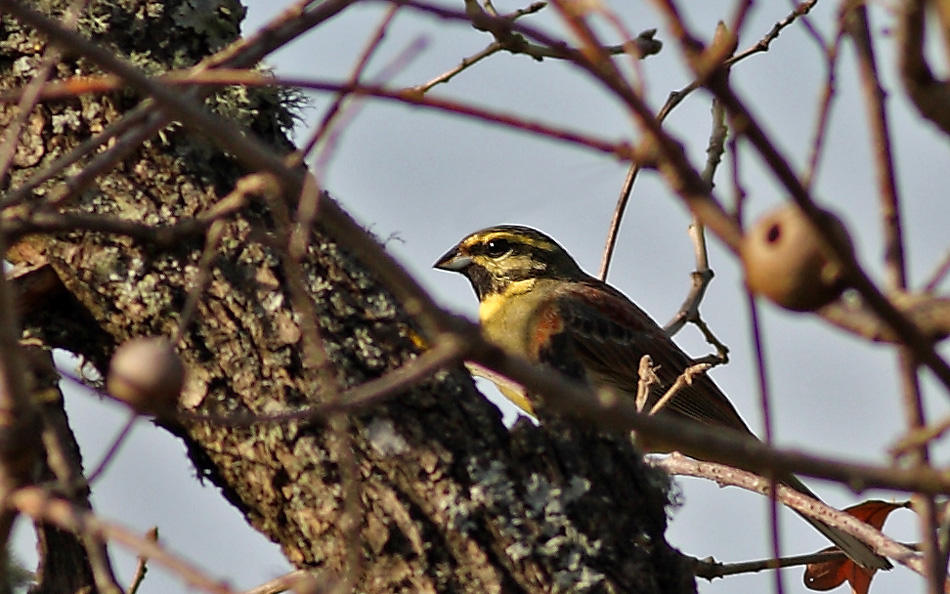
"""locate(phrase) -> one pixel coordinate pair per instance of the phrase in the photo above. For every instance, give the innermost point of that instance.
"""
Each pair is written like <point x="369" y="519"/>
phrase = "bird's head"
<point x="494" y="258"/>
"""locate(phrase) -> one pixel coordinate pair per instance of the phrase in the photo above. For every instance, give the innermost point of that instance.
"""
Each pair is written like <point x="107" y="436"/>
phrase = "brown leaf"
<point x="875" y="512"/>
<point x="826" y="575"/>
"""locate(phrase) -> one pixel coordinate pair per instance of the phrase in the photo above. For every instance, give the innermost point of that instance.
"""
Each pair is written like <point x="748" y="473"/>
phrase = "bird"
<point x="536" y="302"/>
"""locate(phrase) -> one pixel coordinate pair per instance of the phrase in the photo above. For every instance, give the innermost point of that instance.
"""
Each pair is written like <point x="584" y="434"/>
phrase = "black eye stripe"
<point x="498" y="246"/>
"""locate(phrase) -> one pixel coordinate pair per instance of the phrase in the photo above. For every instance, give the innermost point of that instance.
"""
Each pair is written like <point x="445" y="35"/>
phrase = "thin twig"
<point x="914" y="438"/>
<point x="824" y="112"/>
<point x="930" y="314"/>
<point x="855" y="22"/>
<point x="319" y="370"/>
<point x="334" y="133"/>
<point x="703" y="275"/>
<point x="203" y="277"/>
<point x="684" y="379"/>
<point x="141" y="565"/>
<point x="113" y="449"/>
<point x="613" y="231"/>
<point x="466" y="63"/>
<point x="357" y="73"/>
<point x="743" y="9"/>
<point x="42" y="507"/>
<point x="647" y="378"/>
<point x="444" y="352"/>
<point x="505" y="34"/>
<point x="610" y="412"/>
<point x="289" y="581"/>
<point x="762" y="383"/>
<point x="763" y="44"/>
<point x="938" y="275"/>
<point x="710" y="570"/>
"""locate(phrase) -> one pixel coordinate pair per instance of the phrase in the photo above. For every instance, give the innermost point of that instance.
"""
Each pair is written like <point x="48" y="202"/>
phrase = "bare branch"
<point x="710" y="570"/>
<point x="680" y="465"/>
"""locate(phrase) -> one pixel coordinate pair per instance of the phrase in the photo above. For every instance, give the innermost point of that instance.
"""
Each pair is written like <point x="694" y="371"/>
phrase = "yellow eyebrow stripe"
<point x="512" y="237"/>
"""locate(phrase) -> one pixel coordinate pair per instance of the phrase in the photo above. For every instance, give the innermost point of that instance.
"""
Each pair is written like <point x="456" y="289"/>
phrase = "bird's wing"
<point x="591" y="326"/>
<point x="608" y="335"/>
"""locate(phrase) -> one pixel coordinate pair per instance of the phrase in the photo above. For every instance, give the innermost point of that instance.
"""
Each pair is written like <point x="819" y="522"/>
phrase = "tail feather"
<point x="859" y="552"/>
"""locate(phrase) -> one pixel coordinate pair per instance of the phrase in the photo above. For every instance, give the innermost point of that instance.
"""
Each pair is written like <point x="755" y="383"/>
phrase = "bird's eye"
<point x="497" y="247"/>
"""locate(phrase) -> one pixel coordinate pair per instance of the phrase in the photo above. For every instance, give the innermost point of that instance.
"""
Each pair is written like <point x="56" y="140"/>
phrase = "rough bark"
<point x="448" y="500"/>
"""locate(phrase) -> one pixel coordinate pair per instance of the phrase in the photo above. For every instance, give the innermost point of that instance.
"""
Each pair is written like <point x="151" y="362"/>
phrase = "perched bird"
<point x="536" y="302"/>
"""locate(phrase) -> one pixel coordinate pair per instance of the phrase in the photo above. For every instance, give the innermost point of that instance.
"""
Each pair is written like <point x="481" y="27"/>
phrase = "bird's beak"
<point x="453" y="260"/>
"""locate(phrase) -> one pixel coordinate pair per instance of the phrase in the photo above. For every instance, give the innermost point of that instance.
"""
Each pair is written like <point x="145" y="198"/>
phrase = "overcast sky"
<point x="423" y="180"/>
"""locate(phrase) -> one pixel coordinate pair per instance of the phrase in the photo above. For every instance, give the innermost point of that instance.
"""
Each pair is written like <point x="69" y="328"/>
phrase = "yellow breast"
<point x="507" y="320"/>
<point x="506" y="317"/>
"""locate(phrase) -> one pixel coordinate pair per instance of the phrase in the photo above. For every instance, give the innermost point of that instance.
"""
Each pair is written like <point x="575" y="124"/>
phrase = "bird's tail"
<point x="859" y="552"/>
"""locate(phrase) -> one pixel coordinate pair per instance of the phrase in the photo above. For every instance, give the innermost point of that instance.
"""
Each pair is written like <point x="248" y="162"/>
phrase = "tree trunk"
<point x="427" y="492"/>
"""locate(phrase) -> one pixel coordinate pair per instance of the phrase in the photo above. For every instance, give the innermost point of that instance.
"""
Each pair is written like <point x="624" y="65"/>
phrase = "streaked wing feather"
<point x="611" y="334"/>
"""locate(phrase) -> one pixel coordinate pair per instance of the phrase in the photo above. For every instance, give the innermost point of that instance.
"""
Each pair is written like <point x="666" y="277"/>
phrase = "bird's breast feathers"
<point x="511" y="319"/>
